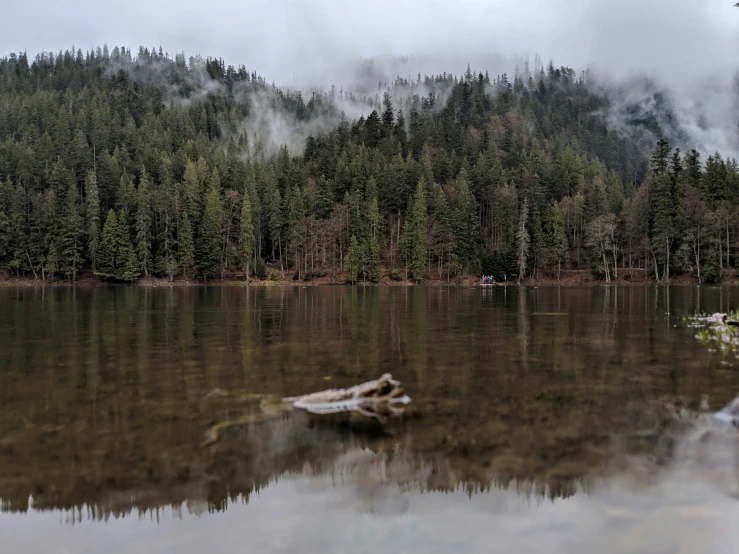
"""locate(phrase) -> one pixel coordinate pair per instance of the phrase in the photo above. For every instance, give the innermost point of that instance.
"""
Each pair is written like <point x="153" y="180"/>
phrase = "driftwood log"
<point x="379" y="399"/>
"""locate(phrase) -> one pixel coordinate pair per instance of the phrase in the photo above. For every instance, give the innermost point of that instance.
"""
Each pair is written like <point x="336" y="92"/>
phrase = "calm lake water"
<point x="542" y="420"/>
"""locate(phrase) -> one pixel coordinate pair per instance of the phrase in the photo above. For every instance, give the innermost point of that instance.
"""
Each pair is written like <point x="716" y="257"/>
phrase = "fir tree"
<point x="191" y="189"/>
<point x="143" y="223"/>
<point x="108" y="247"/>
<point x="353" y="260"/>
<point x="186" y="246"/>
<point x="415" y="237"/>
<point x="72" y="233"/>
<point x="92" y="212"/>
<point x="523" y="240"/>
<point x="556" y="237"/>
<point x="373" y="241"/>
<point x="208" y="250"/>
<point x="246" y="233"/>
<point x="466" y="222"/>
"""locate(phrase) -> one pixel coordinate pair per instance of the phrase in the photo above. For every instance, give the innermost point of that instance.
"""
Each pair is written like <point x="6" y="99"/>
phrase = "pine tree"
<point x="191" y="190"/>
<point x="538" y="244"/>
<point x="442" y="236"/>
<point x="108" y="247"/>
<point x="51" y="266"/>
<point x="295" y="225"/>
<point x="72" y="233"/>
<point x="92" y="212"/>
<point x="246" y="233"/>
<point x="557" y="239"/>
<point x="353" y="260"/>
<point x="373" y="242"/>
<point x="143" y="223"/>
<point x="659" y="161"/>
<point x="186" y="246"/>
<point x="273" y="211"/>
<point x="418" y="233"/>
<point x="208" y="252"/>
<point x="664" y="229"/>
<point x="130" y="270"/>
<point x="523" y="240"/>
<point x="466" y="222"/>
<point x="124" y="249"/>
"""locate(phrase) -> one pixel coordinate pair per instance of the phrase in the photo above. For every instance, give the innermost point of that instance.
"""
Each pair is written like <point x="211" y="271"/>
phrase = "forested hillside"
<point x="135" y="166"/>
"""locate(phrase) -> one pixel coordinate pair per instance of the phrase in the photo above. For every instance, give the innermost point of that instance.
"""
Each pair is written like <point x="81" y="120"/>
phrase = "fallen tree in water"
<point x="378" y="399"/>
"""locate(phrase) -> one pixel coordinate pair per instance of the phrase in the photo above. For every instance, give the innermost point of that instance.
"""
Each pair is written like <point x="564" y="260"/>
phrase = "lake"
<point x="543" y="419"/>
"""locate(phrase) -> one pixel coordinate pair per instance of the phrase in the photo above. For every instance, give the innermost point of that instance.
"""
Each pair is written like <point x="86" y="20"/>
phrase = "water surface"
<point x="543" y="420"/>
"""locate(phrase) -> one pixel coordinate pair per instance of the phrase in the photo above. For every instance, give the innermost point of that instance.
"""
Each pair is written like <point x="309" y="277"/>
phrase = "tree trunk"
<point x="667" y="262"/>
<point x="615" y="262"/>
<point x="696" y="251"/>
<point x="728" y="261"/>
<point x="30" y="264"/>
<point x="282" y="267"/>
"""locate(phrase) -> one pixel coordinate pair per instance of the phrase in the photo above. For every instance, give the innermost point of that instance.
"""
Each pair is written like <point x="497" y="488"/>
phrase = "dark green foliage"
<point x="415" y="236"/>
<point x="208" y="246"/>
<point x="72" y="233"/>
<point x="711" y="274"/>
<point x="260" y="269"/>
<point x="353" y="260"/>
<point x="143" y="223"/>
<point x="116" y="255"/>
<point x="314" y="274"/>
<point x="503" y="266"/>
<point x="106" y="259"/>
<point x="92" y="216"/>
<point x="186" y="246"/>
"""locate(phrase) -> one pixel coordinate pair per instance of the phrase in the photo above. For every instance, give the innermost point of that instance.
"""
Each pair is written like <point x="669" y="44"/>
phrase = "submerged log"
<point x="379" y="399"/>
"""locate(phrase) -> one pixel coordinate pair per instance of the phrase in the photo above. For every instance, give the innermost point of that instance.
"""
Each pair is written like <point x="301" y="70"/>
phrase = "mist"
<point x="683" y="48"/>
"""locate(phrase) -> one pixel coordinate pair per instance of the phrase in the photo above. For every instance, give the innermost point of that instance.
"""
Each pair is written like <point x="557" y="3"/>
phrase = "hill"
<point x="143" y="165"/>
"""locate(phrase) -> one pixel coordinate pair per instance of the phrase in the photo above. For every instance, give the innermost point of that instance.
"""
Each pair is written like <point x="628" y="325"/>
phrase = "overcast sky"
<point x="287" y="39"/>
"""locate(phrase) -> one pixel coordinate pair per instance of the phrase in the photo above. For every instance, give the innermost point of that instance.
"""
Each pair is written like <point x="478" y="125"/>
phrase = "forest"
<point x="127" y="166"/>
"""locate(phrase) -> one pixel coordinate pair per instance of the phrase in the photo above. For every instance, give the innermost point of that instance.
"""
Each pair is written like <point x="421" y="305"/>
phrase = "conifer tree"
<point x="246" y="234"/>
<point x="442" y="237"/>
<point x="557" y="239"/>
<point x="123" y="248"/>
<point x="466" y="222"/>
<point x="664" y="229"/>
<point x="659" y="160"/>
<point x="523" y="240"/>
<point x="208" y="252"/>
<point x="108" y="247"/>
<point x="92" y="212"/>
<point x="415" y="236"/>
<point x="186" y="246"/>
<point x="143" y="223"/>
<point x="72" y="233"/>
<point x="273" y="211"/>
<point x="373" y="241"/>
<point x="295" y="227"/>
<point x="191" y="189"/>
<point x="353" y="260"/>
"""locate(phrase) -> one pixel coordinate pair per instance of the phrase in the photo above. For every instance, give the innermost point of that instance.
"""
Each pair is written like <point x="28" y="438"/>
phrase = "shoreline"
<point x="570" y="278"/>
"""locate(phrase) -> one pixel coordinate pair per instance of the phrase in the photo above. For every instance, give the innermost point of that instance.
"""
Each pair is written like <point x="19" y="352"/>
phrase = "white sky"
<point x="287" y="39"/>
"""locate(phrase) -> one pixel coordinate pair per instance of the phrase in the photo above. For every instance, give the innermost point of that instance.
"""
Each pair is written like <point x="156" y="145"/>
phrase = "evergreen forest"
<point x="128" y="165"/>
